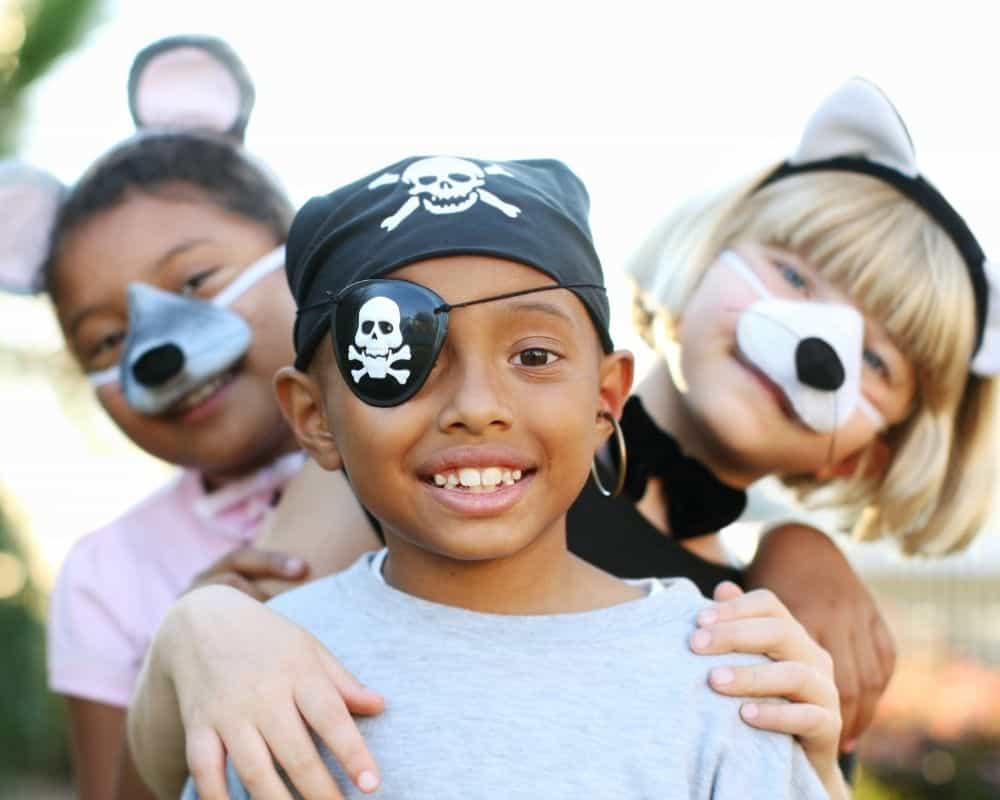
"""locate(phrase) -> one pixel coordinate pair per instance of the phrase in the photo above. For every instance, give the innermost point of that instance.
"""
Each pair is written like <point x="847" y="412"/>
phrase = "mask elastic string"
<point x="733" y="260"/>
<point x="259" y="269"/>
<point x="872" y="413"/>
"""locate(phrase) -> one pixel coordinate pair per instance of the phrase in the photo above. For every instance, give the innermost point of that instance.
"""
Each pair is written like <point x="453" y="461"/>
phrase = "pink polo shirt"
<point x="118" y="582"/>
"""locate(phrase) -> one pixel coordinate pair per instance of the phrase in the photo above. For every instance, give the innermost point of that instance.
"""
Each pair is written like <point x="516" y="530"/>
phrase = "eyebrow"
<point x="543" y="308"/>
<point x="176" y="250"/>
<point x="165" y="257"/>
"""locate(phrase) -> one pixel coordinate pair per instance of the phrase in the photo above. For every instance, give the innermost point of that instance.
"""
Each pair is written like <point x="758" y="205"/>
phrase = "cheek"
<point x="269" y="310"/>
<point x="714" y="309"/>
<point x="141" y="429"/>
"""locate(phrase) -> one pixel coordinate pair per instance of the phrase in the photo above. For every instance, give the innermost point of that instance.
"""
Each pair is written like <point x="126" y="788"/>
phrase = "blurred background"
<point x="648" y="105"/>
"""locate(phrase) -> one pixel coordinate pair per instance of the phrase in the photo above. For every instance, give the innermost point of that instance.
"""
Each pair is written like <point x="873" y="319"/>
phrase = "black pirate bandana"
<point x="388" y="332"/>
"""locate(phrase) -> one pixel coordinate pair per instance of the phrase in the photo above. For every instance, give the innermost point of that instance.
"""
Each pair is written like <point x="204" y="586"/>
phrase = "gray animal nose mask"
<point x="176" y="344"/>
<point x="811" y="350"/>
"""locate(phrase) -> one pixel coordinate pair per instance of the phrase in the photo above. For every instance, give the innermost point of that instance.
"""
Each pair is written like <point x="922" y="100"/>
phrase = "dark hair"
<point x="212" y="164"/>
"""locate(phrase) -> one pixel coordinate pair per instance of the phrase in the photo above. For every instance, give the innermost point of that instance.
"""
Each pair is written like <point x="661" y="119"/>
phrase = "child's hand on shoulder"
<point x="801" y="672"/>
<point x="261" y="574"/>
<point x="833" y="604"/>
<point x="250" y="685"/>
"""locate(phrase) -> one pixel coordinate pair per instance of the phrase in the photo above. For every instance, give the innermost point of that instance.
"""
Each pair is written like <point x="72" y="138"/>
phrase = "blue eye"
<point x="792" y="276"/>
<point x="876" y="362"/>
<point x="535" y="357"/>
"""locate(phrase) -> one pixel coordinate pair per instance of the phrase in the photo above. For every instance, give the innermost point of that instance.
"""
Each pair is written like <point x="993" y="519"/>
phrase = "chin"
<point x="474" y="543"/>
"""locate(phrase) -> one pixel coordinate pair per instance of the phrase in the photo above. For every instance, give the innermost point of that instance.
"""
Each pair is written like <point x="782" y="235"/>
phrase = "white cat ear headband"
<point x="858" y="130"/>
<point x="181" y="83"/>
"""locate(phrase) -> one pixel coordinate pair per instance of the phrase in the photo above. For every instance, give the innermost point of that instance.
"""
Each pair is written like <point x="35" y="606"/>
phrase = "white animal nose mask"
<point x="811" y="350"/>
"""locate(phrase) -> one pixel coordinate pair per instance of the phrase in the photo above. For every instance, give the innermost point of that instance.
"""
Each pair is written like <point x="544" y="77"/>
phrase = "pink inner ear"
<point x="29" y="211"/>
<point x="187" y="88"/>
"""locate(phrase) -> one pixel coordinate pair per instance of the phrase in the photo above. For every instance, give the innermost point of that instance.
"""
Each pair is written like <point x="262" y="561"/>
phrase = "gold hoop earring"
<point x="622" y="459"/>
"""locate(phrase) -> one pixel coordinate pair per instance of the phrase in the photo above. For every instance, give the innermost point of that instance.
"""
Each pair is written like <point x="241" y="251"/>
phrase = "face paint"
<point x="811" y="350"/>
<point x="387" y="334"/>
<point x="175" y="343"/>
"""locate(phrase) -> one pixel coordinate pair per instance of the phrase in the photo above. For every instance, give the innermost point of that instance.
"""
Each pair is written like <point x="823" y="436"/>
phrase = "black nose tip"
<point x="157" y="366"/>
<point x="818" y="366"/>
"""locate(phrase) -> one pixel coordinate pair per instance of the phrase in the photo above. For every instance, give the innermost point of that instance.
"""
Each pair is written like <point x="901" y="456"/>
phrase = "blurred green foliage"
<point x="33" y="35"/>
<point x="31" y="726"/>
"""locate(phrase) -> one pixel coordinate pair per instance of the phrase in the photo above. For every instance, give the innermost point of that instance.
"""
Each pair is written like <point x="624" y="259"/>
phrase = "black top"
<point x="697" y="501"/>
<point x="612" y="534"/>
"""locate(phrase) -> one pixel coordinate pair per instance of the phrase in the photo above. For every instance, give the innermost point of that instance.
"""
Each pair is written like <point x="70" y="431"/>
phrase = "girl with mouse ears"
<point x="163" y="263"/>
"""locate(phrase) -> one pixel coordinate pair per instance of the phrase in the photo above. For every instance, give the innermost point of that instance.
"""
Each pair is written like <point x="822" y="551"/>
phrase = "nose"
<point x="817" y="365"/>
<point x="158" y="365"/>
<point x="475" y="403"/>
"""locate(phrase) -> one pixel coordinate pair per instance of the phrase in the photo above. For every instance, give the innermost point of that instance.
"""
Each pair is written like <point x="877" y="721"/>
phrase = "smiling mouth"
<point x="203" y="392"/>
<point x="780" y="398"/>
<point x="477" y="480"/>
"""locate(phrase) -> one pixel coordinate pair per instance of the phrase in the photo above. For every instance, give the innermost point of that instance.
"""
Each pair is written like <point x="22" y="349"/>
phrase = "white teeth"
<point x="491" y="476"/>
<point x="470" y="477"/>
<point x="477" y="479"/>
<point x="203" y="392"/>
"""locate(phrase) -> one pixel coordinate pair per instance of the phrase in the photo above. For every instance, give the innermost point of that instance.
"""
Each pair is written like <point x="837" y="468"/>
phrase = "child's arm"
<point x="802" y="673"/>
<point x="299" y="540"/>
<point x="97" y="747"/>
<point x="302" y="526"/>
<point x="811" y="576"/>
<point x="230" y="676"/>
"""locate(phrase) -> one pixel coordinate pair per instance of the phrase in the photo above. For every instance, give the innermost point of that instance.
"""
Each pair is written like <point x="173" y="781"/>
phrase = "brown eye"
<point x="105" y="346"/>
<point x="535" y="357"/>
<point x="192" y="284"/>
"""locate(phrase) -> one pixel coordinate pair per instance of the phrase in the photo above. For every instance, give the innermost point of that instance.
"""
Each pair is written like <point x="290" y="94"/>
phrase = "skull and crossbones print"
<point x="378" y="342"/>
<point x="444" y="185"/>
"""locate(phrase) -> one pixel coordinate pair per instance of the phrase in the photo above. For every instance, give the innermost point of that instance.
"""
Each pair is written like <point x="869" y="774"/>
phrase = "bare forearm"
<point x="154" y="725"/>
<point x="794" y="547"/>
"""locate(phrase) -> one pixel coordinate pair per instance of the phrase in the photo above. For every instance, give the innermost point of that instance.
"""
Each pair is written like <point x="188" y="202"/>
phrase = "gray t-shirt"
<point x="608" y="703"/>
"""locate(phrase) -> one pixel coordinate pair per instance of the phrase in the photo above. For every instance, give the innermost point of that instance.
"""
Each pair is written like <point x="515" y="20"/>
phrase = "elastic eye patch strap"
<point x="446" y="307"/>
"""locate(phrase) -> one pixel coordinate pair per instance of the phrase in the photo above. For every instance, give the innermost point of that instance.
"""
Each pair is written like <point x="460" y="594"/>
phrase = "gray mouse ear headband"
<point x="858" y="130"/>
<point x="180" y="83"/>
<point x="190" y="83"/>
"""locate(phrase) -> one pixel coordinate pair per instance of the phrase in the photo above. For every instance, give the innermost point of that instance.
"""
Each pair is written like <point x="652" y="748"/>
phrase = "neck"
<point x="541" y="578"/>
<point x="664" y="401"/>
<point x="217" y="478"/>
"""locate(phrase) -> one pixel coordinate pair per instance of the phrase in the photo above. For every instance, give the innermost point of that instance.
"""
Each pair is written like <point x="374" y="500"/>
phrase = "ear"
<point x="616" y="373"/>
<point x="191" y="82"/>
<point x="878" y="462"/>
<point x="30" y="199"/>
<point x="858" y="120"/>
<point x="301" y="402"/>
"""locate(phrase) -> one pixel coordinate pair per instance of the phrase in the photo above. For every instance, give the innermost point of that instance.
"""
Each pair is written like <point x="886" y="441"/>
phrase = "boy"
<point x="453" y="356"/>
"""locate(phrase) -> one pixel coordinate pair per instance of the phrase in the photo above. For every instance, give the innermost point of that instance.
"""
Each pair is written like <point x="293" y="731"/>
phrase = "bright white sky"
<point x="648" y="102"/>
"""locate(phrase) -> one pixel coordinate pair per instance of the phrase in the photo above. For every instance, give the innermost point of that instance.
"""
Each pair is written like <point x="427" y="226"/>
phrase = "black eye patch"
<point x="387" y="334"/>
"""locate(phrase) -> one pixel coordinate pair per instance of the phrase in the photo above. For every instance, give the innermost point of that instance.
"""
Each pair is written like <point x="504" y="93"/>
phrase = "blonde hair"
<point x="898" y="266"/>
